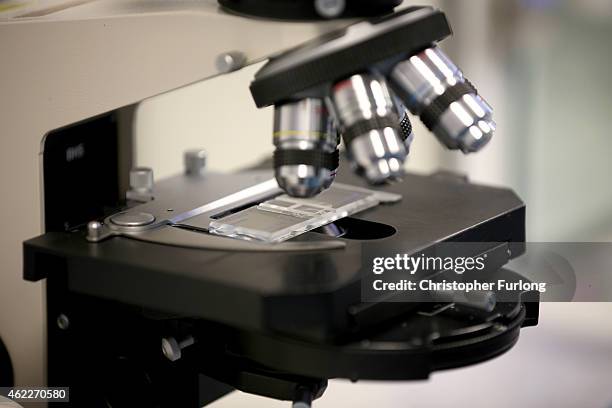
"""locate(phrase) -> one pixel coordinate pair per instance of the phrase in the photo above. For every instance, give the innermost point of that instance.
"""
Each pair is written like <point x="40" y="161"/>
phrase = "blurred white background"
<point x="544" y="65"/>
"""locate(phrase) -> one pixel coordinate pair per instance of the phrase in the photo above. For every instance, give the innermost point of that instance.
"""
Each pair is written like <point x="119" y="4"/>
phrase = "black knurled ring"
<point x="314" y="157"/>
<point x="366" y="125"/>
<point x="431" y="114"/>
<point x="405" y="127"/>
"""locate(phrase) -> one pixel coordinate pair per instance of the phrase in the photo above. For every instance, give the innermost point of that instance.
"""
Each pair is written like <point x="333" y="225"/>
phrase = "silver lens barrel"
<point x="431" y="86"/>
<point x="370" y="126"/>
<point x="306" y="155"/>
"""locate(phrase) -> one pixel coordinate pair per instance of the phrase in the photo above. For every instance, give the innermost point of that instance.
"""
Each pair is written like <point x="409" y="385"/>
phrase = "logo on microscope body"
<point x="75" y="152"/>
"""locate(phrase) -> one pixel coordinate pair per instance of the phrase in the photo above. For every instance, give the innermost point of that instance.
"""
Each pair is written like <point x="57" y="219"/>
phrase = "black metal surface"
<point x="304" y="295"/>
<point x="305" y="9"/>
<point x="81" y="166"/>
<point x="6" y="368"/>
<point x="424" y="338"/>
<point x="109" y="355"/>
<point x="282" y="322"/>
<point x="335" y="56"/>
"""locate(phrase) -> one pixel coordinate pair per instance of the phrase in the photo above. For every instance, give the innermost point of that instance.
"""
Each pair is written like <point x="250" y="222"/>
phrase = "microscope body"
<point x="172" y="313"/>
<point x="65" y="63"/>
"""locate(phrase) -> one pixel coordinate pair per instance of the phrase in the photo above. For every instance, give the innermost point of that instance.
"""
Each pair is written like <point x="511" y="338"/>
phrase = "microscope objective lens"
<point x="431" y="86"/>
<point x="306" y="155"/>
<point x="370" y="127"/>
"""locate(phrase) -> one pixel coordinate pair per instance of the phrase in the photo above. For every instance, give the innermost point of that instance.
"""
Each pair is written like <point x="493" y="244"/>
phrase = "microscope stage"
<point x="307" y="303"/>
<point x="239" y="287"/>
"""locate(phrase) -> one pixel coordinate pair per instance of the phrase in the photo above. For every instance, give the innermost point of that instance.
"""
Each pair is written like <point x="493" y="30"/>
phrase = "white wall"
<point x="218" y="115"/>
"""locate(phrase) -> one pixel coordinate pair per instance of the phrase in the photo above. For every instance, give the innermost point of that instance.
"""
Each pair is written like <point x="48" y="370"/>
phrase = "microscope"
<point x="174" y="292"/>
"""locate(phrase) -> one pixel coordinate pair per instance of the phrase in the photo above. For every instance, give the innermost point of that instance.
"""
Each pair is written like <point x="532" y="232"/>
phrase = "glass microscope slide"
<point x="284" y="217"/>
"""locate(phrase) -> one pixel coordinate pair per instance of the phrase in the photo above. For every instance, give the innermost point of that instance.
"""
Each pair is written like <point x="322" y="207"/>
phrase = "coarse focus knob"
<point x="172" y="348"/>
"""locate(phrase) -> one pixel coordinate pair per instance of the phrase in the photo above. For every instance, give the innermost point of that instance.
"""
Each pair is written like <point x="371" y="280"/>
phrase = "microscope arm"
<point x="64" y="64"/>
<point x="98" y="56"/>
